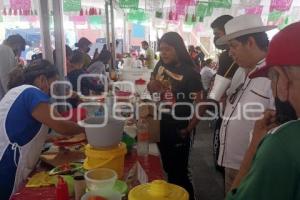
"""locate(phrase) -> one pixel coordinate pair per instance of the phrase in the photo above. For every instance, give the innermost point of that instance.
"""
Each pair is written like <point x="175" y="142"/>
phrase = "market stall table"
<point x="151" y="166"/>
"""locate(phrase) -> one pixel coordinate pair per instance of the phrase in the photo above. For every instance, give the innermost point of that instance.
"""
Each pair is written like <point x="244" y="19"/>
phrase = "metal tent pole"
<point x="112" y="18"/>
<point x="107" y="25"/>
<point x="60" y="48"/>
<point x="59" y="38"/>
<point x="45" y="30"/>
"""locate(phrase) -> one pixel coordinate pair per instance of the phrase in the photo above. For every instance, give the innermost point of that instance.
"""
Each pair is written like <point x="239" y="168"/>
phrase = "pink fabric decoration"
<point x="280" y="5"/>
<point x="180" y="10"/>
<point x="78" y="19"/>
<point x="185" y="2"/>
<point x="20" y="4"/>
<point x="254" y="10"/>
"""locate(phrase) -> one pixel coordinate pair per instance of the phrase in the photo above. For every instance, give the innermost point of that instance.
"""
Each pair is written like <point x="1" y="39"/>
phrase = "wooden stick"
<point x="227" y="72"/>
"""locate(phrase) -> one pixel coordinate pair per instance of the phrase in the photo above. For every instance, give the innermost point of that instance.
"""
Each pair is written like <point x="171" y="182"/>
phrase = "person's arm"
<point x="194" y="86"/>
<point x="97" y="87"/>
<point x="42" y="113"/>
<point x="260" y="130"/>
<point x="194" y="121"/>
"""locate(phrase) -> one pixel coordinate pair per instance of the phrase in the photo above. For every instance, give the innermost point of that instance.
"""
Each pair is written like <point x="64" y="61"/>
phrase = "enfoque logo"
<point x="127" y="109"/>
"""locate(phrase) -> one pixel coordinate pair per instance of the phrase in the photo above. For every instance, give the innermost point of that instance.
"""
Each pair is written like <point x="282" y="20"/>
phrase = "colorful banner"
<point x="133" y="4"/>
<point x="79" y="20"/>
<point x="254" y="10"/>
<point x="137" y="15"/>
<point x="20" y="4"/>
<point x="221" y="3"/>
<point x="180" y="9"/>
<point x="275" y="18"/>
<point x="72" y="5"/>
<point x="285" y="22"/>
<point x="280" y="5"/>
<point x="204" y="10"/>
<point x="95" y="20"/>
<point x="185" y="2"/>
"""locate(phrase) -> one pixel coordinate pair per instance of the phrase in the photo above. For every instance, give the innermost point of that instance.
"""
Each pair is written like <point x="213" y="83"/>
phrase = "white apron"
<point x="29" y="153"/>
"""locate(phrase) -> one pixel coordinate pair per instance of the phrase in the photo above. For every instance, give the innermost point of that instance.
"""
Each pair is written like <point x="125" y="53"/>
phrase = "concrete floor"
<point x="208" y="182"/>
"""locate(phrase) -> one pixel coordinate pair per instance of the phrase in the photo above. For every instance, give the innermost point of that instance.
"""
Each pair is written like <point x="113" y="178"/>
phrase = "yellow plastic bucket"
<point x="112" y="158"/>
<point x="158" y="190"/>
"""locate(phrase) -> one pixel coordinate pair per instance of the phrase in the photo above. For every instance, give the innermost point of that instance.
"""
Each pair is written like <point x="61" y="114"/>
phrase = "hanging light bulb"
<point x="10" y="11"/>
<point x="81" y="12"/>
<point x="99" y="11"/>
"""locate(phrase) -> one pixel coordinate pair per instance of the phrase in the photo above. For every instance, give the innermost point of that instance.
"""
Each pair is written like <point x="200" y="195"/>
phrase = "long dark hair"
<point x="20" y="76"/>
<point x="175" y="40"/>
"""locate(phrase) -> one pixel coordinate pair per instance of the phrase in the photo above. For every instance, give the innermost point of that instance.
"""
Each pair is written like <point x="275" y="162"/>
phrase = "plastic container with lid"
<point x="102" y="132"/>
<point x="100" y="179"/>
<point x="112" y="158"/>
<point x="158" y="190"/>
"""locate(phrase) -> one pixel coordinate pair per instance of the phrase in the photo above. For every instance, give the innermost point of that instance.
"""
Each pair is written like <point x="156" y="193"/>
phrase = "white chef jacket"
<point x="236" y="126"/>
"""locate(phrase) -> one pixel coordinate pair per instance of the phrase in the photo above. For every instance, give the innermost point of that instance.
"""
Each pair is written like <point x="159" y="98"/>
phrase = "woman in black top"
<point x="175" y="75"/>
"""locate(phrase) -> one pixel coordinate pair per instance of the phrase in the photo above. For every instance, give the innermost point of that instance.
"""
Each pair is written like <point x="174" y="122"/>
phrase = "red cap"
<point x="283" y="50"/>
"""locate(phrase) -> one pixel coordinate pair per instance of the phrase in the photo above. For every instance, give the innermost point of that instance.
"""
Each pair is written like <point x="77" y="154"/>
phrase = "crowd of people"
<point x="257" y="150"/>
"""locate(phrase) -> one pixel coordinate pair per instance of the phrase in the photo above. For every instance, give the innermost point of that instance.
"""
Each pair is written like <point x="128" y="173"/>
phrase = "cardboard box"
<point x="146" y="110"/>
<point x="154" y="130"/>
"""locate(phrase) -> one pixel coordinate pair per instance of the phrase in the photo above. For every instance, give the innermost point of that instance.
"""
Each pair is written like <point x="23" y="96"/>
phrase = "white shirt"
<point x="206" y="76"/>
<point x="7" y="63"/>
<point x="238" y="122"/>
<point x="97" y="68"/>
<point x="238" y="77"/>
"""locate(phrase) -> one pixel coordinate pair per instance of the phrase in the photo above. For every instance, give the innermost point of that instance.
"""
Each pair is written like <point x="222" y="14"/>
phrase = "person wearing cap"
<point x="10" y="52"/>
<point x="271" y="166"/>
<point x="248" y="44"/>
<point x="84" y="46"/>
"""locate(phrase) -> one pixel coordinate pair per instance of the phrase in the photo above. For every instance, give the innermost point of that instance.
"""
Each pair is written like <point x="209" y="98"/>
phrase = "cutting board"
<point x="56" y="159"/>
